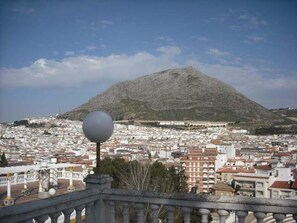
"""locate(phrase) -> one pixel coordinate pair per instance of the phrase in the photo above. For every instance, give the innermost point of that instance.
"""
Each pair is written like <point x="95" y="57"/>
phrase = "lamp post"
<point x="98" y="127"/>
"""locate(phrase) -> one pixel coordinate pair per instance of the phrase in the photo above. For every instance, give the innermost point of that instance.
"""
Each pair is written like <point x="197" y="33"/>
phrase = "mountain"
<point x="174" y="94"/>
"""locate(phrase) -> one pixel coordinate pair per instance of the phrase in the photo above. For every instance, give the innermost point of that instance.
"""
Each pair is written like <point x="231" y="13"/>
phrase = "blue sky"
<point x="55" y="55"/>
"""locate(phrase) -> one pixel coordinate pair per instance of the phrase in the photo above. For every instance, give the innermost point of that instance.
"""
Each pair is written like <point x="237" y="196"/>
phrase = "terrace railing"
<point x="100" y="203"/>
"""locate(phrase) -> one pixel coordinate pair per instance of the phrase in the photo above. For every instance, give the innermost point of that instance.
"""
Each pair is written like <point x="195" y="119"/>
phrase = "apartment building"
<point x="283" y="189"/>
<point x="199" y="166"/>
<point x="226" y="174"/>
<point x="252" y="184"/>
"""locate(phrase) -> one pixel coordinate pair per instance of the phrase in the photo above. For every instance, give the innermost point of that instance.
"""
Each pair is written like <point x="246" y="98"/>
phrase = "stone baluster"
<point x="111" y="205"/>
<point x="100" y="211"/>
<point x="279" y="217"/>
<point x="140" y="212"/>
<point x="54" y="216"/>
<point x="78" y="211"/>
<point x="260" y="216"/>
<point x="204" y="213"/>
<point x="223" y="214"/>
<point x="67" y="214"/>
<point x="241" y="215"/>
<point x="90" y="213"/>
<point x="125" y="212"/>
<point x="155" y="209"/>
<point x="41" y="219"/>
<point x="187" y="214"/>
<point x="170" y="214"/>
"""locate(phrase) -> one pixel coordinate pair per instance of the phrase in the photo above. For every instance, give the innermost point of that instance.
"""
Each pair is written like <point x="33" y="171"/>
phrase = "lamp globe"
<point x="98" y="126"/>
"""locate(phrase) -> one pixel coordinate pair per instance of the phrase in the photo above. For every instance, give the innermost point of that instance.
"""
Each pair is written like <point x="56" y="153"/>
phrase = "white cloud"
<point x="106" y="22"/>
<point x="217" y="52"/>
<point x="255" y="39"/>
<point x="170" y="50"/>
<point x="24" y="10"/>
<point x="256" y="82"/>
<point x="202" y="38"/>
<point x="79" y="70"/>
<point x="252" y="21"/>
<point x="69" y="53"/>
<point x="270" y="91"/>
<point x="221" y="19"/>
<point x="165" y="38"/>
<point x="91" y="48"/>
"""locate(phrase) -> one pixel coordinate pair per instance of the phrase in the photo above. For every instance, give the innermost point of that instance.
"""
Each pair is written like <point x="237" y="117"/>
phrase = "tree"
<point x="150" y="177"/>
<point x="136" y="177"/>
<point x="4" y="162"/>
<point x="114" y="168"/>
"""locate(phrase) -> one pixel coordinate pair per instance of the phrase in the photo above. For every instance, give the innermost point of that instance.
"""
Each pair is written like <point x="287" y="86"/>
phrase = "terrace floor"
<point x="33" y="188"/>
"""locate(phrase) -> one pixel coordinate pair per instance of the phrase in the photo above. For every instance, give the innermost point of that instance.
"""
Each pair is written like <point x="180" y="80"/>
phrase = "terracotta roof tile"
<point x="235" y="170"/>
<point x="281" y="184"/>
<point x="263" y="167"/>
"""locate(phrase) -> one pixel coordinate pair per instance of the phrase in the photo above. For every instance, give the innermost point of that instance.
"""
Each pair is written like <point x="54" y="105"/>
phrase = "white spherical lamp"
<point x="52" y="191"/>
<point x="98" y="127"/>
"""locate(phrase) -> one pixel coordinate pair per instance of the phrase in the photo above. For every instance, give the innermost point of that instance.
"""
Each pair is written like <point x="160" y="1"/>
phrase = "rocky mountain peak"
<point x="174" y="94"/>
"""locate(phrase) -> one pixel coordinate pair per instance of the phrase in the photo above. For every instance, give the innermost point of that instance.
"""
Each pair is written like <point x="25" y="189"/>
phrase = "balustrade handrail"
<point x="238" y="203"/>
<point x="33" y="177"/>
<point x="30" y="210"/>
<point x="58" y="204"/>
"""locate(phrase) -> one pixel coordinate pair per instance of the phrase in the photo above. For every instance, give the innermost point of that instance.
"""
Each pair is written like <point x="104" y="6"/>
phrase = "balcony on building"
<point x="211" y="171"/>
<point x="211" y="175"/>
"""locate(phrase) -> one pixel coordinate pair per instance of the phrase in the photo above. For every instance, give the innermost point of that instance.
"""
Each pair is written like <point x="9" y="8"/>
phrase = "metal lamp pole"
<point x="97" y="170"/>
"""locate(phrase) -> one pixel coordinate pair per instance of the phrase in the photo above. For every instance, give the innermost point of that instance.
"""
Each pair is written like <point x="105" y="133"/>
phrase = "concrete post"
<point x="99" y="182"/>
<point x="25" y="191"/>
<point x="25" y="181"/>
<point x="71" y="188"/>
<point x="8" y="188"/>
<point x="8" y="201"/>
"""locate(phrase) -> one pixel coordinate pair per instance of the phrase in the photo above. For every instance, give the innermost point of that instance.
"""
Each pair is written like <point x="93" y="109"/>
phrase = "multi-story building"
<point x="199" y="166"/>
<point x="239" y="162"/>
<point x="283" y="189"/>
<point x="253" y="185"/>
<point x="226" y="174"/>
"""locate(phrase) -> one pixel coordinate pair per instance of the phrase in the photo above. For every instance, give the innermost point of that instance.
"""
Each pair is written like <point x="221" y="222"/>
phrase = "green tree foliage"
<point x="114" y="168"/>
<point x="4" y="162"/>
<point x="136" y="176"/>
<point x="150" y="177"/>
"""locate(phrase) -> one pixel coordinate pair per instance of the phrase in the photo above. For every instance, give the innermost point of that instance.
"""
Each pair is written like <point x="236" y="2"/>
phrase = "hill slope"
<point x="174" y="94"/>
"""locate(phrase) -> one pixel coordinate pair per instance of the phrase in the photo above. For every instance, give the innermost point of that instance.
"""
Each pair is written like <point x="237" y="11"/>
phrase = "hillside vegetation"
<point x="175" y="94"/>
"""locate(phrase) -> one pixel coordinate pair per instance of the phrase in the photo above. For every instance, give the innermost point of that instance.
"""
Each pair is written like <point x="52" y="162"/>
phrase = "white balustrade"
<point x="33" y="177"/>
<point x="113" y="205"/>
